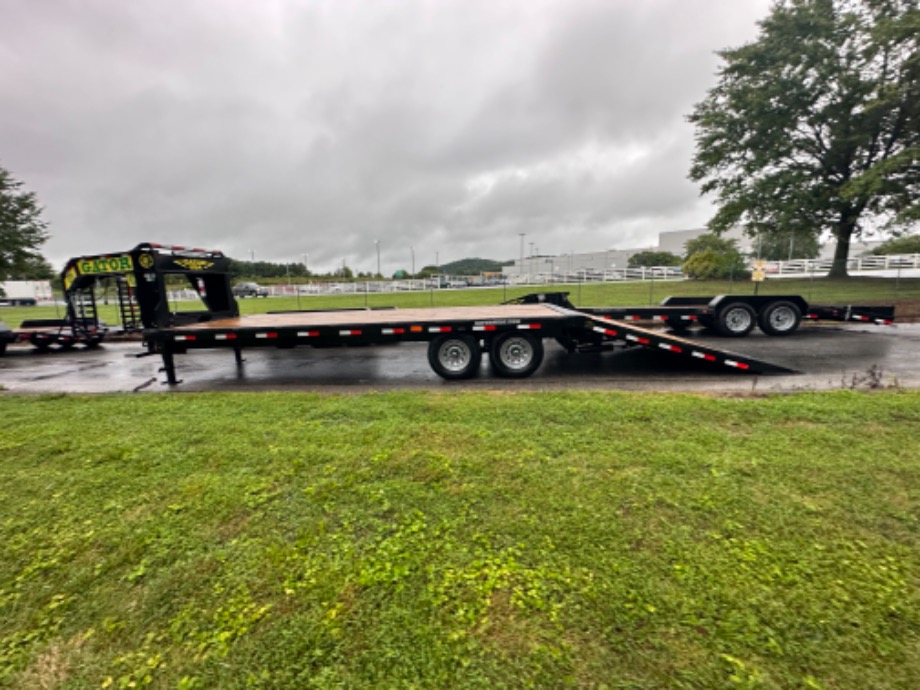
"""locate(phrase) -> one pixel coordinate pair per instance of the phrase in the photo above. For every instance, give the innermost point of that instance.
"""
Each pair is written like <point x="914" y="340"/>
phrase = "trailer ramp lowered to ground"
<point x="658" y="340"/>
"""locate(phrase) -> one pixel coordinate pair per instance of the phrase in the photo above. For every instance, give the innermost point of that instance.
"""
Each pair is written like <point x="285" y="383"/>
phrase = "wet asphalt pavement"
<point x="829" y="357"/>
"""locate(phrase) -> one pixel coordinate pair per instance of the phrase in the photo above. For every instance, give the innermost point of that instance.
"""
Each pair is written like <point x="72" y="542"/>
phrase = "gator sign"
<point x="105" y="264"/>
<point x="98" y="265"/>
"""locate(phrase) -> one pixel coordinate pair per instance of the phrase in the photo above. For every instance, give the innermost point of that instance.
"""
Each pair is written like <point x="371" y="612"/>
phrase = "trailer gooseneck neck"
<point x="511" y="334"/>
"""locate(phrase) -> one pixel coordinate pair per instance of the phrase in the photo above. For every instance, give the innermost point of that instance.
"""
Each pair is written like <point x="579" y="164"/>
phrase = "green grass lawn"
<point x="818" y="291"/>
<point x="487" y="540"/>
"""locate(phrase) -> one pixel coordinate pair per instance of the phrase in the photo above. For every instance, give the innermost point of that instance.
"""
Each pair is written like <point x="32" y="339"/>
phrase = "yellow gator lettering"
<point x="194" y="264"/>
<point x="106" y="264"/>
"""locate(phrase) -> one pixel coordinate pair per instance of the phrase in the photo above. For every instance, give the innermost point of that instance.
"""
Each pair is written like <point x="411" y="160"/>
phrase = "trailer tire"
<point x="516" y="355"/>
<point x="42" y="344"/>
<point x="455" y="357"/>
<point x="780" y="318"/>
<point x="736" y="320"/>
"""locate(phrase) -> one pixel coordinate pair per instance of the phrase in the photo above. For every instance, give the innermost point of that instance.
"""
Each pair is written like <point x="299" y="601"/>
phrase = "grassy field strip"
<point x="425" y="540"/>
<point x="819" y="291"/>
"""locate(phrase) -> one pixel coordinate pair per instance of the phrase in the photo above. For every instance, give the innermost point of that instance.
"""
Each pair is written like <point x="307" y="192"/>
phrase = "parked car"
<point x="249" y="290"/>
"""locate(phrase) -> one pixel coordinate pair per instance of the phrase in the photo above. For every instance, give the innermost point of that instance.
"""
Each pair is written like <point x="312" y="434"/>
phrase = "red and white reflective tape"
<point x="183" y="338"/>
<point x="529" y="326"/>
<point x="689" y="317"/>
<point x="605" y="331"/>
<point x="225" y="336"/>
<point x="669" y="347"/>
<point x="659" y="317"/>
<point x="488" y="327"/>
<point x="307" y="334"/>
<point x="440" y="329"/>
<point x="266" y="336"/>
<point x="632" y="317"/>
<point x="393" y="331"/>
<point x="703" y="355"/>
<point x="737" y="365"/>
<point x="347" y="333"/>
<point x="637" y="339"/>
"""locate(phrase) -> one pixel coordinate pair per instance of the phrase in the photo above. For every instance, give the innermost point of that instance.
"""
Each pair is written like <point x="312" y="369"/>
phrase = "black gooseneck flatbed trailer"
<point x="512" y="334"/>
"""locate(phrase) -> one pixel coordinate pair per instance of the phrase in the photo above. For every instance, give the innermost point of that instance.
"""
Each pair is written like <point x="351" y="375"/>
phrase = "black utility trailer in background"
<point x="735" y="316"/>
<point x="43" y="334"/>
<point x="511" y="334"/>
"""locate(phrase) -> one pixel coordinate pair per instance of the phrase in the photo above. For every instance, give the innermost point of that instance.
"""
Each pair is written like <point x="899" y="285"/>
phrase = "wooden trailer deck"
<point x="362" y="317"/>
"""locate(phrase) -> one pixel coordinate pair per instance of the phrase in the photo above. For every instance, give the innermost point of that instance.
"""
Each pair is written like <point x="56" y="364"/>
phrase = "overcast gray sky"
<point x="285" y="128"/>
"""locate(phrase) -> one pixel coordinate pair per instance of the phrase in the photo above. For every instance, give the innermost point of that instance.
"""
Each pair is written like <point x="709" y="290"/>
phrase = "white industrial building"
<point x="673" y="241"/>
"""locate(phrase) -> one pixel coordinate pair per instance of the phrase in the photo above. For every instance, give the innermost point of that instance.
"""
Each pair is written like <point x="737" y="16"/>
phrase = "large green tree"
<point x="815" y="126"/>
<point x="710" y="257"/>
<point x="653" y="258"/>
<point x="22" y="230"/>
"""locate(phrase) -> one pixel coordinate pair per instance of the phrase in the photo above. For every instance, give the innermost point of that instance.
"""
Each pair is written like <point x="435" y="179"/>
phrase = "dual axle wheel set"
<point x="512" y="355"/>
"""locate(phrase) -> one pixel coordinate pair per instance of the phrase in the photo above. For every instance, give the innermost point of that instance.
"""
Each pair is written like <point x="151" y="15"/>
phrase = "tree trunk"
<point x="843" y="233"/>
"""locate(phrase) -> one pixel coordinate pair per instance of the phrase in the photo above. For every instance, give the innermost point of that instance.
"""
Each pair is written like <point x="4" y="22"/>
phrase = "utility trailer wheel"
<point x="40" y="342"/>
<point x="516" y="355"/>
<point x="736" y="320"/>
<point x="780" y="318"/>
<point x="455" y="357"/>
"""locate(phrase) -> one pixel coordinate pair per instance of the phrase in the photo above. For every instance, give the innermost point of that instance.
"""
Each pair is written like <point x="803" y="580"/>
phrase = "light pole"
<point x="523" y="235"/>
<point x="377" y="243"/>
<point x="306" y="269"/>
<point x="412" y="252"/>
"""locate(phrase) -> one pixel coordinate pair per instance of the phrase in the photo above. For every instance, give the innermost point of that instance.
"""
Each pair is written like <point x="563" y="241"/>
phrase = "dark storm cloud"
<point x="288" y="128"/>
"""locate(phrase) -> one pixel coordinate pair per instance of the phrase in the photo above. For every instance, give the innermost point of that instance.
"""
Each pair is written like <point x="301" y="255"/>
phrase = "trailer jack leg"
<point x="169" y="366"/>
<point x="238" y="353"/>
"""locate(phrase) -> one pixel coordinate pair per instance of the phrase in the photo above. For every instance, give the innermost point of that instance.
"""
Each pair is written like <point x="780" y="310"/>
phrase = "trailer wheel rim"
<point x="738" y="320"/>
<point x="516" y="353"/>
<point x="454" y="355"/>
<point x="782" y="318"/>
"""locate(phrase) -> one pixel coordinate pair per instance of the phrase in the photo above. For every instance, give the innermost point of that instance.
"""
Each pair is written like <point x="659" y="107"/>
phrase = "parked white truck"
<point x="25" y="293"/>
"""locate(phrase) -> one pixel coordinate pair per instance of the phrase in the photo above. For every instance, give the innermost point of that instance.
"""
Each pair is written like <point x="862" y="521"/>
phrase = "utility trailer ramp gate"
<point x="658" y="340"/>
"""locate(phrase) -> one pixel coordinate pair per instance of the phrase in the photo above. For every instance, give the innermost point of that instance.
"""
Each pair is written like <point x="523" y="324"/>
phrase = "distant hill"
<point x="473" y="267"/>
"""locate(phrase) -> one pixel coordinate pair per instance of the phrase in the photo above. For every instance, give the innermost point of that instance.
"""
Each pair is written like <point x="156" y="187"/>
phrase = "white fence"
<point x="898" y="264"/>
<point x="894" y="262"/>
<point x="670" y="273"/>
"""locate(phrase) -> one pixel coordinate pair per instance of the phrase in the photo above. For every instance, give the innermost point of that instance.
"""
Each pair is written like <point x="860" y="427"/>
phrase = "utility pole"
<point x="377" y="242"/>
<point x="521" y="265"/>
<point x="412" y="251"/>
